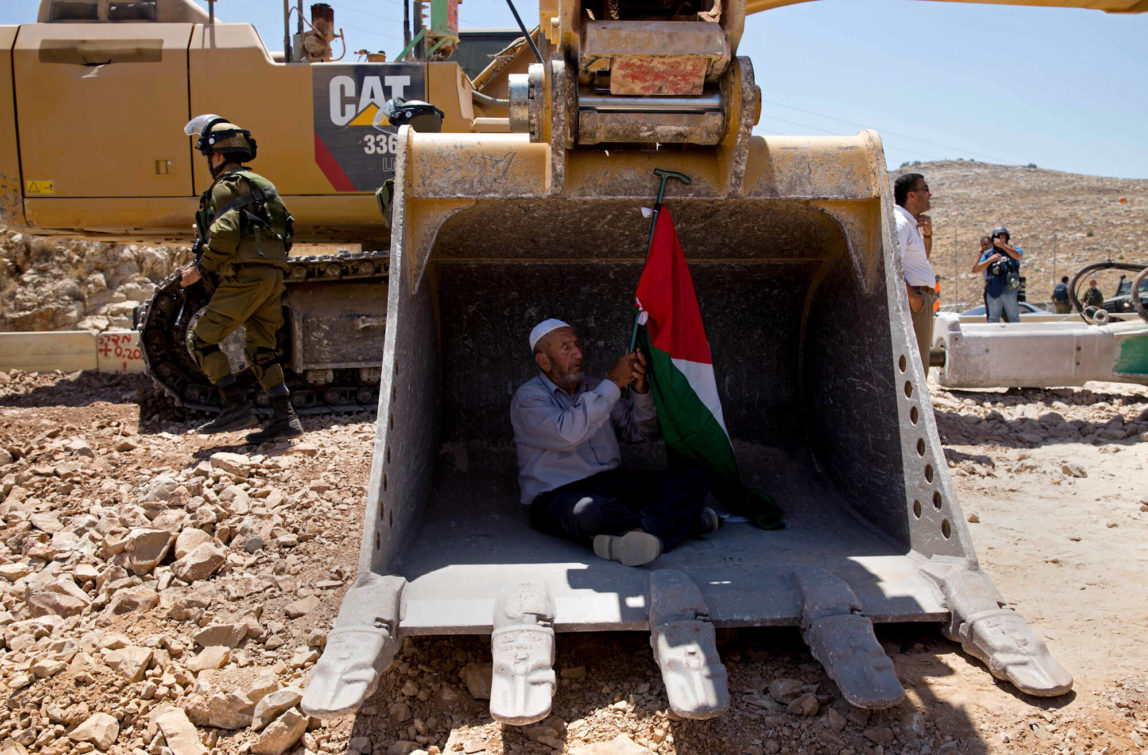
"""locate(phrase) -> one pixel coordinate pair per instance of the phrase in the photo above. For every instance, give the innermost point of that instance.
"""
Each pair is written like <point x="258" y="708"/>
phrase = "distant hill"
<point x="1085" y="214"/>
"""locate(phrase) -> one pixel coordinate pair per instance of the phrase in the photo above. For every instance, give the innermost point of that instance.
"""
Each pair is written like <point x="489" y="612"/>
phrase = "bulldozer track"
<point x="163" y="323"/>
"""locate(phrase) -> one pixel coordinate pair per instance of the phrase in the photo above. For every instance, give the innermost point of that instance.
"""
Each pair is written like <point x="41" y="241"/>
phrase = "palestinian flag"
<point x="682" y="376"/>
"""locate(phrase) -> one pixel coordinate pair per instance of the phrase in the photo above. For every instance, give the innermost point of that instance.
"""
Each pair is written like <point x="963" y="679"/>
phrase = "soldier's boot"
<point x="284" y="422"/>
<point x="236" y="414"/>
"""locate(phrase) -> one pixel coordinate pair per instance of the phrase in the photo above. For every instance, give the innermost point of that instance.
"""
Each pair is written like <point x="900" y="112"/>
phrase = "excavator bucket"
<point x="792" y="255"/>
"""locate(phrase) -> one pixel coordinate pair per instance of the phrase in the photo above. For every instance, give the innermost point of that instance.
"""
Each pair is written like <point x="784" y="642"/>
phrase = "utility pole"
<point x="956" y="274"/>
<point x="1055" y="280"/>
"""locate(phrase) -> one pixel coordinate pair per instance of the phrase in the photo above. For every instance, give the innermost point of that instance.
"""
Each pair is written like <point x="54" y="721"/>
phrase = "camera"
<point x="996" y="268"/>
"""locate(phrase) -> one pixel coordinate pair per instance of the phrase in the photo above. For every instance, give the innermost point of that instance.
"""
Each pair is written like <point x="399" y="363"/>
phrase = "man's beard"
<point x="568" y="379"/>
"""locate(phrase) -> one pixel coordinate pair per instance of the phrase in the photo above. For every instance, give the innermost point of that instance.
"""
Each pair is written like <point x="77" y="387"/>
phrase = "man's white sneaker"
<point x="632" y="549"/>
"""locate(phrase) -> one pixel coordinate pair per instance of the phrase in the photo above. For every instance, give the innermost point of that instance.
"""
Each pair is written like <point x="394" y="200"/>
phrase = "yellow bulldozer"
<point x="527" y="204"/>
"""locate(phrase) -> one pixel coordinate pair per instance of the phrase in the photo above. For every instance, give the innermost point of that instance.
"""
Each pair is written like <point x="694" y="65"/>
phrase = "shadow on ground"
<point x="609" y="685"/>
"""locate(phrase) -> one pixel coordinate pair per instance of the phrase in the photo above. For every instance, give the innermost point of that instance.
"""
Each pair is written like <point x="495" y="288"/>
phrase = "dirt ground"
<point x="1053" y="483"/>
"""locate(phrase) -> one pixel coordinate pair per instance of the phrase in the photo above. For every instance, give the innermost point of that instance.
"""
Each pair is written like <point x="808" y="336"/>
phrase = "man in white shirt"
<point x="914" y="240"/>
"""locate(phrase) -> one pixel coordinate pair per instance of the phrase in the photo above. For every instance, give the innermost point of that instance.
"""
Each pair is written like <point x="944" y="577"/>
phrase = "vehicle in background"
<point x="1026" y="308"/>
<point x="1122" y="301"/>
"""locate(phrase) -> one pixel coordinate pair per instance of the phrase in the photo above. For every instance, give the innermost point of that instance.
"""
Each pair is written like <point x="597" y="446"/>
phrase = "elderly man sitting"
<point x="566" y="429"/>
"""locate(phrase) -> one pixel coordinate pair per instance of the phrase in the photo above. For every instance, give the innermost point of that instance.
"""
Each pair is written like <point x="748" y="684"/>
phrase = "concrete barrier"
<point x="110" y="351"/>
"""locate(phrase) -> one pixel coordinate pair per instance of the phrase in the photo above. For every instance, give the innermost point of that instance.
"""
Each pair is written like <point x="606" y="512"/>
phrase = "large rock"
<point x="180" y="733"/>
<point x="12" y="747"/>
<point x="270" y="706"/>
<point x="101" y="729"/>
<point x="79" y="447"/>
<point x="190" y="539"/>
<point x="301" y="607"/>
<point x="235" y="500"/>
<point x="139" y="599"/>
<point x="220" y="709"/>
<point x="56" y="604"/>
<point x="237" y="464"/>
<point x="209" y="658"/>
<point x="477" y="678"/>
<point x="227" y="635"/>
<point x="115" y="541"/>
<point x="171" y="520"/>
<point x="46" y="667"/>
<point x="282" y="734"/>
<point x="99" y="640"/>
<point x="161" y="489"/>
<point x="264" y="684"/>
<point x="66" y="585"/>
<point x="14" y="570"/>
<point x="203" y="561"/>
<point x="132" y="662"/>
<point x="41" y="626"/>
<point x="147" y="548"/>
<point x="303" y="657"/>
<point x="67" y="541"/>
<point x="46" y="522"/>
<point x="785" y="690"/>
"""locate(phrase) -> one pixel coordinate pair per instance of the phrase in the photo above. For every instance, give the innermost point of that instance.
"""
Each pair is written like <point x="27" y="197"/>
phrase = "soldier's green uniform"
<point x="244" y="234"/>
<point x="245" y="246"/>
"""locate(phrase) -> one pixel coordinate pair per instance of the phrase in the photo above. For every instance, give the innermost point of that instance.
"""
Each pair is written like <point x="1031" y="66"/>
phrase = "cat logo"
<point x="353" y="154"/>
<point x="41" y="186"/>
<point x="347" y="109"/>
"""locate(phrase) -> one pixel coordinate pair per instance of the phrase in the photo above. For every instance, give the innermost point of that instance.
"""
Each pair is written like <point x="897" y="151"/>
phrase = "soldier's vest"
<point x="265" y="226"/>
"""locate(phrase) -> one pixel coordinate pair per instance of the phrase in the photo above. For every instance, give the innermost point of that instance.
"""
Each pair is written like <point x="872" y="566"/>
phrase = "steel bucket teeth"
<point x="685" y="647"/>
<point x="359" y="648"/>
<point x="1005" y="643"/>
<point x="996" y="635"/>
<point x="842" y="639"/>
<point x="522" y="647"/>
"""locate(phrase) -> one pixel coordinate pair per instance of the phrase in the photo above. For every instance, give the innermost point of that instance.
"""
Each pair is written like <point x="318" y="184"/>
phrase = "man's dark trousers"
<point x="665" y="504"/>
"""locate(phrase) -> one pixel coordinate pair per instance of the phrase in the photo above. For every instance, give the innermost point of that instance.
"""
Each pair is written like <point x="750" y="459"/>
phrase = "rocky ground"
<point x="166" y="592"/>
<point x="63" y="284"/>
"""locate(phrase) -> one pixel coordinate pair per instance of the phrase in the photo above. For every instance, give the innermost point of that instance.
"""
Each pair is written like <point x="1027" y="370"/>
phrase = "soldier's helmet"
<point x="217" y="134"/>
<point x="421" y="116"/>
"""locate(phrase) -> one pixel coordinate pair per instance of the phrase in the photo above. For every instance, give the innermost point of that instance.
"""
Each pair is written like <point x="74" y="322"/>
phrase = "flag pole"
<point x="665" y="175"/>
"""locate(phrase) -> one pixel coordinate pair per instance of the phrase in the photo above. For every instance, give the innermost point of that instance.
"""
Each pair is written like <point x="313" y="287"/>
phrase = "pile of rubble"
<point x="56" y="284"/>
<point x="1034" y="417"/>
<point x="136" y="605"/>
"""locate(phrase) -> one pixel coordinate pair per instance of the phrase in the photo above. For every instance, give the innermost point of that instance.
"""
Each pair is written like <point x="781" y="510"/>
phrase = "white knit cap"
<point x="544" y="327"/>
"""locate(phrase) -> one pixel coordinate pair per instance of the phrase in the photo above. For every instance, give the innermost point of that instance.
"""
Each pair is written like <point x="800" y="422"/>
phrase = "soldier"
<point x="243" y="234"/>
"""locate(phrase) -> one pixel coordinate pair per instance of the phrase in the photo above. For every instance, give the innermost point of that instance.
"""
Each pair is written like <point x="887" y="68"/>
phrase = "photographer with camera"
<point x="1000" y="264"/>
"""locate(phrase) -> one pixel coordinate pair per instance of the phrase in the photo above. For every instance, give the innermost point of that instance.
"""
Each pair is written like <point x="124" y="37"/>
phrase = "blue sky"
<point x="1065" y="89"/>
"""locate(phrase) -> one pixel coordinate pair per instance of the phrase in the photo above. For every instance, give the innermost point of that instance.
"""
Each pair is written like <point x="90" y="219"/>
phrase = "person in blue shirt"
<point x="1000" y="265"/>
<point x="566" y="431"/>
